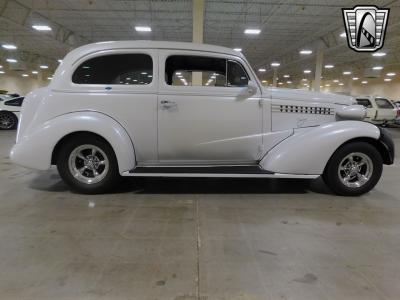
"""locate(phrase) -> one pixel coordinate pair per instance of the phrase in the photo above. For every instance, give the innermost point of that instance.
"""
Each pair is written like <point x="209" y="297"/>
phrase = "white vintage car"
<point x="147" y="108"/>
<point x="10" y="108"/>
<point x="379" y="109"/>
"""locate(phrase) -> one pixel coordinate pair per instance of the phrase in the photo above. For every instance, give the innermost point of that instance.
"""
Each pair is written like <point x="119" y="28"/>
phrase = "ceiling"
<point x="286" y="27"/>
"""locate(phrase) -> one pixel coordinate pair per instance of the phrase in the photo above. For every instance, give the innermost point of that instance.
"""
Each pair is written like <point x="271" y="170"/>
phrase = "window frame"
<point x="229" y="90"/>
<point x="365" y="99"/>
<point x="110" y="88"/>
<point x="387" y="100"/>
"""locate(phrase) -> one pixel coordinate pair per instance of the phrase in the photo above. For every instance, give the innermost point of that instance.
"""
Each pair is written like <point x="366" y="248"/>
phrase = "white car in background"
<point x="148" y="108"/>
<point x="379" y="109"/>
<point x="10" y="108"/>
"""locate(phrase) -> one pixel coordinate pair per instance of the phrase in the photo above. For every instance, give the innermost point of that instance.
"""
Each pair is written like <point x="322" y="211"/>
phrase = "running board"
<point x="211" y="171"/>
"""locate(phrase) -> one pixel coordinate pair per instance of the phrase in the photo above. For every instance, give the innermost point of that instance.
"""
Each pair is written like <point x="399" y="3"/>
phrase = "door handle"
<point x="165" y="104"/>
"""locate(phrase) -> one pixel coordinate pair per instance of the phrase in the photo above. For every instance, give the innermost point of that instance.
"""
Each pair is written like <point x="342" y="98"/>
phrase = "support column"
<point x="275" y="78"/>
<point x="198" y="25"/>
<point x="318" y="69"/>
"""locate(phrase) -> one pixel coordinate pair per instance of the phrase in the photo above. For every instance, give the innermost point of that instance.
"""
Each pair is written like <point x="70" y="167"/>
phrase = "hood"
<point x="309" y="96"/>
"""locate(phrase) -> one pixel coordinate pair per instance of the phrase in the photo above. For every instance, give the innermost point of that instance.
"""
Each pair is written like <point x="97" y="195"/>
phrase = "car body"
<point x="10" y="108"/>
<point x="148" y="108"/>
<point x="379" y="109"/>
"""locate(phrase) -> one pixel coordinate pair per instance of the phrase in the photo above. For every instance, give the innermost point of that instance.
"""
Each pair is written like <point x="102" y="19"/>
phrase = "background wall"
<point x="378" y="87"/>
<point x="15" y="83"/>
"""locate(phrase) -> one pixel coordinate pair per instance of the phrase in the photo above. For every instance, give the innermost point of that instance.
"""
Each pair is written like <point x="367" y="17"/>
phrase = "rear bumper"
<point x="386" y="141"/>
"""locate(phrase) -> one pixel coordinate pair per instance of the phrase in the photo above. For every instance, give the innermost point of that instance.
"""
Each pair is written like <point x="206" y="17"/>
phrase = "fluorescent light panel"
<point x="9" y="46"/>
<point x="306" y="52"/>
<point x="252" y="31"/>
<point x="41" y="27"/>
<point x="143" y="28"/>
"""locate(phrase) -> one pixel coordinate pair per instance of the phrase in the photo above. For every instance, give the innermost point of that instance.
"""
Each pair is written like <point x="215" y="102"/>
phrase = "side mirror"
<point x="249" y="90"/>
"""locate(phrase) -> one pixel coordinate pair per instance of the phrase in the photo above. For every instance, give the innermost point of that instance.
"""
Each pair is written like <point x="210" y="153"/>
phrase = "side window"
<point x="237" y="76"/>
<point x="383" y="103"/>
<point x="181" y="70"/>
<point x="364" y="102"/>
<point x="133" y="69"/>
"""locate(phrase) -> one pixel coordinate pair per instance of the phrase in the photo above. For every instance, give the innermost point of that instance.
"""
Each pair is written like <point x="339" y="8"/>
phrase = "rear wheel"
<point x="8" y="120"/>
<point x="354" y="169"/>
<point x="87" y="163"/>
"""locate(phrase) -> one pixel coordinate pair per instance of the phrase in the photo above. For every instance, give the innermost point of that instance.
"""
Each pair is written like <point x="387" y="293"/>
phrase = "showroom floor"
<point x="196" y="239"/>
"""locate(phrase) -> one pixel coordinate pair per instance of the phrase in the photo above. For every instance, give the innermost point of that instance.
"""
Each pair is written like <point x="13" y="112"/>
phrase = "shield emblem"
<point x="365" y="27"/>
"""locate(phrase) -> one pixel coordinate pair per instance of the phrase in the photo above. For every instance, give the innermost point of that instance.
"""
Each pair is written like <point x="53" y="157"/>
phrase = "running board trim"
<point x="156" y="172"/>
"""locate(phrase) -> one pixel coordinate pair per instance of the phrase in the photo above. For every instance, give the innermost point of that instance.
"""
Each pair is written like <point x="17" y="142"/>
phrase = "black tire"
<point x="8" y="120"/>
<point x="109" y="180"/>
<point x="331" y="173"/>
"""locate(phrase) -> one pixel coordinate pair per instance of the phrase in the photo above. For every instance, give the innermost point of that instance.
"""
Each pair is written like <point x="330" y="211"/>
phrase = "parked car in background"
<point x="10" y="108"/>
<point x="397" y="106"/>
<point x="148" y="108"/>
<point x="379" y="109"/>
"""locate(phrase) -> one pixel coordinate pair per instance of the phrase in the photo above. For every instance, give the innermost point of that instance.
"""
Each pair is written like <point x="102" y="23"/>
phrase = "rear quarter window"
<point x="129" y="69"/>
<point x="364" y="102"/>
<point x="383" y="103"/>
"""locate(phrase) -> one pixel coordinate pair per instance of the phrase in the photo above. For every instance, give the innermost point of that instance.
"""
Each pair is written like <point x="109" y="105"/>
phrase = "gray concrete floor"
<point x="196" y="239"/>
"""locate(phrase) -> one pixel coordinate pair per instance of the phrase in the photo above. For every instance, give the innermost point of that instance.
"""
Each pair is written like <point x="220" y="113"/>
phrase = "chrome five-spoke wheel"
<point x="88" y="164"/>
<point x="355" y="169"/>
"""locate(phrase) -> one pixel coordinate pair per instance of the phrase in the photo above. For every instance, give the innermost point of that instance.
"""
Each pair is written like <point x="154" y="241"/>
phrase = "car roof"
<point x="143" y="44"/>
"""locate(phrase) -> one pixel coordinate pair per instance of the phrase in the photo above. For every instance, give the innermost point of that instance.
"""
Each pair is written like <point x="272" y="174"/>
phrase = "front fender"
<point x="308" y="150"/>
<point x="34" y="149"/>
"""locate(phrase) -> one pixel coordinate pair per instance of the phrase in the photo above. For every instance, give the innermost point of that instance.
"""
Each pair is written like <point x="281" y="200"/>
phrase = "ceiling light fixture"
<point x="378" y="54"/>
<point x="275" y="64"/>
<point x="143" y="28"/>
<point x="41" y="27"/>
<point x="343" y="34"/>
<point x="35" y="72"/>
<point x="44" y="67"/>
<point x="306" y="52"/>
<point x="237" y="49"/>
<point x="252" y="31"/>
<point x="286" y="76"/>
<point x="2" y="72"/>
<point x="25" y="75"/>
<point x="307" y="71"/>
<point x="364" y="82"/>
<point x="355" y="78"/>
<point x="391" y="74"/>
<point x="377" y="68"/>
<point x="9" y="47"/>
<point x="262" y="70"/>
<point x="288" y="82"/>
<point x="11" y="60"/>
<point x="335" y="80"/>
<point x="388" y="79"/>
<point x="329" y="66"/>
<point x="346" y="72"/>
<point x="341" y="83"/>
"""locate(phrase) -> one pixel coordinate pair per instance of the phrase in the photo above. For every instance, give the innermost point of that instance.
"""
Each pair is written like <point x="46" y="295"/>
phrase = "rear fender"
<point x="308" y="151"/>
<point x="35" y="148"/>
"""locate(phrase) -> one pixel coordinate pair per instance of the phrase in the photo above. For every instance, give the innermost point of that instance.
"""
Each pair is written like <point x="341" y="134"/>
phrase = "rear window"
<point x="130" y="69"/>
<point x="383" y="103"/>
<point x="364" y="102"/>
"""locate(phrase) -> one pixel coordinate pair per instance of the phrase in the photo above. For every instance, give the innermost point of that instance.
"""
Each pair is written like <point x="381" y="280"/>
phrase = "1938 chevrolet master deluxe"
<point x="147" y="108"/>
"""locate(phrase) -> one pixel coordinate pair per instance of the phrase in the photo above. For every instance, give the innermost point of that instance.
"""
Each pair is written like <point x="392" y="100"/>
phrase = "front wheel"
<point x="8" y="120"/>
<point x="354" y="169"/>
<point x="87" y="163"/>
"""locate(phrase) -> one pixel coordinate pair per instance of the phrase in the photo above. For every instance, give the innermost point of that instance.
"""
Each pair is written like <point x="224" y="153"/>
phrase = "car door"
<point x="386" y="110"/>
<point x="203" y="117"/>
